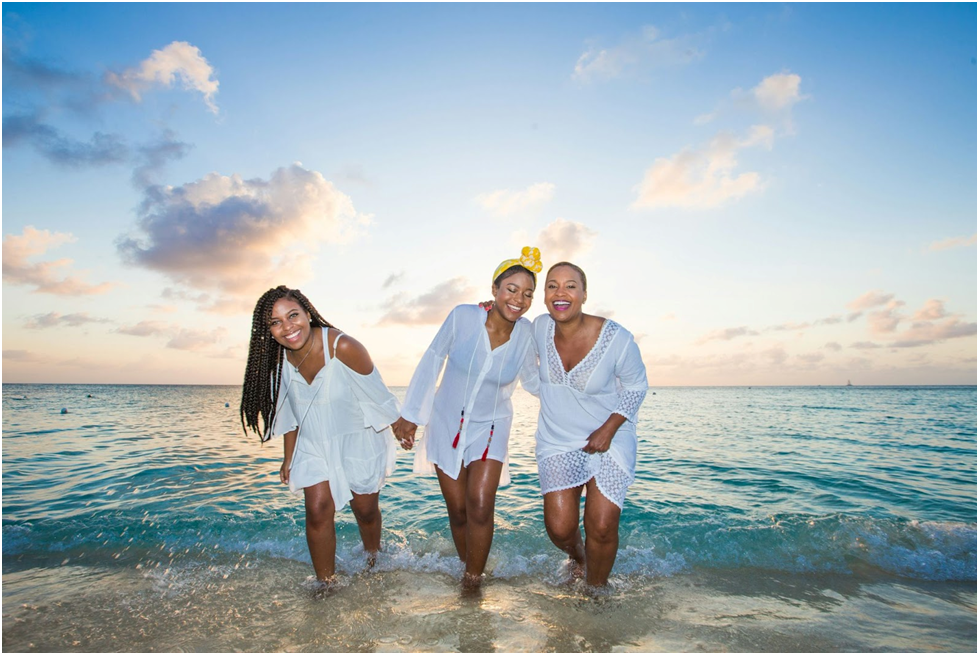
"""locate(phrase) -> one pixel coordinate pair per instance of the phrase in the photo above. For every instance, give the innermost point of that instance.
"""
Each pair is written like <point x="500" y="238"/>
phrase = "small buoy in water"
<point x="64" y="410"/>
<point x="227" y="405"/>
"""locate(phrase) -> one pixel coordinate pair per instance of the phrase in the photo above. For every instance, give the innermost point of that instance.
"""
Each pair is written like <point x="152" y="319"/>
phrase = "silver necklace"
<point x="301" y="361"/>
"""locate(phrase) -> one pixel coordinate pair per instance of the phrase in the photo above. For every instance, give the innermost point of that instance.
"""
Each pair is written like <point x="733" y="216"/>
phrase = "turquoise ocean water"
<point x="766" y="518"/>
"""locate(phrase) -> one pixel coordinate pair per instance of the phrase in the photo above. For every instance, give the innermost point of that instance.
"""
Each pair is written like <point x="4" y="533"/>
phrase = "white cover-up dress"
<point x="343" y="420"/>
<point x="610" y="379"/>
<point x="477" y="377"/>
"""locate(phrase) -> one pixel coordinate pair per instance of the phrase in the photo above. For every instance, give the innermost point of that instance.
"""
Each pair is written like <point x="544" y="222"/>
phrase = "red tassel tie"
<point x="486" y="452"/>
<point x="462" y="419"/>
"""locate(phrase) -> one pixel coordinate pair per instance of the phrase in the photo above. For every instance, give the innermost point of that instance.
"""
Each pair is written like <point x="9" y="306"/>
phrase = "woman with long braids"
<point x="318" y="387"/>
<point x="469" y="417"/>
<point x="592" y="382"/>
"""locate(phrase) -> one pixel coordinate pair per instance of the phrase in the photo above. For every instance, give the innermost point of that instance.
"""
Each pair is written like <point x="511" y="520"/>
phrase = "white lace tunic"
<point x="477" y="377"/>
<point x="343" y="420"/>
<point x="610" y="379"/>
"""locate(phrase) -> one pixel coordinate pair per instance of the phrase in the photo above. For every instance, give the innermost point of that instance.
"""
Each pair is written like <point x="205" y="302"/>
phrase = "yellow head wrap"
<point x="529" y="259"/>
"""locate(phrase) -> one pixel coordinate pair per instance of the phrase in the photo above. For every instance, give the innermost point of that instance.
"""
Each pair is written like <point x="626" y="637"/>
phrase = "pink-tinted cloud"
<point x="927" y="333"/>
<point x="178" y="338"/>
<point x="185" y="339"/>
<point x="885" y="321"/>
<point x="728" y="334"/>
<point x="933" y="309"/>
<point x="21" y="356"/>
<point x="953" y="242"/>
<point x="865" y="345"/>
<point x="834" y="346"/>
<point x="53" y="319"/>
<point x="429" y="308"/>
<point x="869" y="300"/>
<point x="45" y="276"/>
<point x="146" y="329"/>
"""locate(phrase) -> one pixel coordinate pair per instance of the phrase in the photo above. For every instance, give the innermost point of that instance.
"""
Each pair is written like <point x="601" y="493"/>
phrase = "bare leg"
<point x="321" y="536"/>
<point x="601" y="535"/>
<point x="367" y="511"/>
<point x="483" y="479"/>
<point x="454" y="492"/>
<point x="561" y="517"/>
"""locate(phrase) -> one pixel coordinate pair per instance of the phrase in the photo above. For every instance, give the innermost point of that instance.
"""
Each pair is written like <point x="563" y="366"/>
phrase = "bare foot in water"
<point x="574" y="570"/>
<point x="471" y="584"/>
<point x="324" y="588"/>
<point x="371" y="559"/>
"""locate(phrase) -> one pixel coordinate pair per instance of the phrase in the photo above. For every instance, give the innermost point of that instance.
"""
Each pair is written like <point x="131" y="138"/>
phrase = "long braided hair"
<point x="263" y="372"/>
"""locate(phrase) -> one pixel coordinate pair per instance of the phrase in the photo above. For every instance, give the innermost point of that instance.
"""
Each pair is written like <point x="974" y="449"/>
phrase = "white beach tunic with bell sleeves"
<point x="611" y="379"/>
<point x="343" y="420"/>
<point x="478" y="379"/>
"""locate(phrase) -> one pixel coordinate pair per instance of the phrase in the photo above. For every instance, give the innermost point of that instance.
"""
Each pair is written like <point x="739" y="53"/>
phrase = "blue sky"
<point x="763" y="194"/>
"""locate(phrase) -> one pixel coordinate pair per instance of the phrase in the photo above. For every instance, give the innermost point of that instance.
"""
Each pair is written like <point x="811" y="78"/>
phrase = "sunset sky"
<point x="762" y="194"/>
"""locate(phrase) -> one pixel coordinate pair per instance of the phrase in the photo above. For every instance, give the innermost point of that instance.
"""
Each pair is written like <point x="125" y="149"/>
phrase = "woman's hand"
<point x="404" y="432"/>
<point x="487" y="305"/>
<point x="284" y="471"/>
<point x="601" y="439"/>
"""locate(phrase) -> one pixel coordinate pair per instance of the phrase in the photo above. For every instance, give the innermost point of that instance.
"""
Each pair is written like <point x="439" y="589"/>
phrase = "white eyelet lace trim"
<point x="575" y="468"/>
<point x="629" y="403"/>
<point x="578" y="376"/>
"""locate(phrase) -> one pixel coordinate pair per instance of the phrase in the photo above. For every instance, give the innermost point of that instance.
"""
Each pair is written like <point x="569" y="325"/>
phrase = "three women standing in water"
<point x="586" y="370"/>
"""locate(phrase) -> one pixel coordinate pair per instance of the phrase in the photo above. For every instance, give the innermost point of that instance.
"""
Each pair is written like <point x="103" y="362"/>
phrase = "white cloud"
<point x="778" y="92"/>
<point x="563" y="240"/>
<point x="635" y="52"/>
<point x="503" y="202"/>
<point x="231" y="236"/>
<point x="45" y="277"/>
<point x="179" y="61"/>
<point x="702" y="179"/>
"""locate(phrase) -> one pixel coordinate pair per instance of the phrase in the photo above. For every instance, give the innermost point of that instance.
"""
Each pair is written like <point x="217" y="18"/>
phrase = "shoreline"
<point x="274" y="607"/>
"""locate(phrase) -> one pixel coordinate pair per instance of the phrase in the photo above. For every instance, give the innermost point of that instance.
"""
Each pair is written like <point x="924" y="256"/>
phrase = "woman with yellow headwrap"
<point x="468" y="417"/>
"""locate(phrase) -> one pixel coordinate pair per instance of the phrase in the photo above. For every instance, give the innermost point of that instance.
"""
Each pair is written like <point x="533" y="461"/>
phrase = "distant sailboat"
<point x="849" y="384"/>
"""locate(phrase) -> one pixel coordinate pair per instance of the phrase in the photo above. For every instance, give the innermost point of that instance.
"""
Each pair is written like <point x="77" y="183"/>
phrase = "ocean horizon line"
<point x="404" y="386"/>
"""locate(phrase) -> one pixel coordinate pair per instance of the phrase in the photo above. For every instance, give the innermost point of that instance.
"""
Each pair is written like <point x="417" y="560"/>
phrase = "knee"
<point x="457" y="516"/>
<point x="562" y="532"/>
<point x="319" y="516"/>
<point x="602" y="530"/>
<point x="368" y="514"/>
<point x="480" y="511"/>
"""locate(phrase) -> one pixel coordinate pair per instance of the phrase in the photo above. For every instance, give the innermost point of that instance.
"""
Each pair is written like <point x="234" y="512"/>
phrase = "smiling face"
<point x="514" y="295"/>
<point x="289" y="324"/>
<point x="564" y="293"/>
